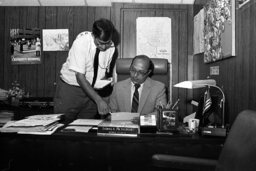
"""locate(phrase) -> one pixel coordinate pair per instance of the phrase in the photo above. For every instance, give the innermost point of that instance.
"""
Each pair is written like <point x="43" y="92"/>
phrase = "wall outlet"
<point x="214" y="70"/>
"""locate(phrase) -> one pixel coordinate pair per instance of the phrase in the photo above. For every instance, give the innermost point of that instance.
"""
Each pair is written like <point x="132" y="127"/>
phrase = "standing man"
<point x="89" y="60"/>
<point x="139" y="93"/>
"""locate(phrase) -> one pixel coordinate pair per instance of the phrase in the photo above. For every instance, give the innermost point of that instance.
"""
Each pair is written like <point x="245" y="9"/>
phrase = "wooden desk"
<point x="78" y="151"/>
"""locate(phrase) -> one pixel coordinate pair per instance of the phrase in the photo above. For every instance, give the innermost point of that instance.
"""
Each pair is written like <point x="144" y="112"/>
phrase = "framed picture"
<point x="55" y="40"/>
<point x="219" y="30"/>
<point x="25" y="46"/>
<point x="168" y="120"/>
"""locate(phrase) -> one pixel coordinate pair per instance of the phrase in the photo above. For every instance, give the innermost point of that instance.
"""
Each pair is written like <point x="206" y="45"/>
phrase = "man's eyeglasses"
<point x="139" y="72"/>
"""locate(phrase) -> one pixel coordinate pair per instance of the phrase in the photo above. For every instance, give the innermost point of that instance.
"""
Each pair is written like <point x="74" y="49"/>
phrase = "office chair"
<point x="238" y="153"/>
<point x="160" y="72"/>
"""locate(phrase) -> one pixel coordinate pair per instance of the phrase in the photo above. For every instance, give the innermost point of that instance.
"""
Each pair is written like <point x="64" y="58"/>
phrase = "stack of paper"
<point x="124" y="116"/>
<point x="102" y="83"/>
<point x="36" y="124"/>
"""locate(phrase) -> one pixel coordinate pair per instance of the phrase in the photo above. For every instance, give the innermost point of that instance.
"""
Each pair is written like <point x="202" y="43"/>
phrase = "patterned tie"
<point x="135" y="99"/>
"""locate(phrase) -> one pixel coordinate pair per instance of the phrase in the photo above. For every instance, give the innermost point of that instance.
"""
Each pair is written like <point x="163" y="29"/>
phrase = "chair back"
<point x="239" y="150"/>
<point x="160" y="72"/>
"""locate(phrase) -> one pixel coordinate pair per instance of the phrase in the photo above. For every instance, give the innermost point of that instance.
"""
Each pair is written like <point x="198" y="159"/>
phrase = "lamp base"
<point x="221" y="132"/>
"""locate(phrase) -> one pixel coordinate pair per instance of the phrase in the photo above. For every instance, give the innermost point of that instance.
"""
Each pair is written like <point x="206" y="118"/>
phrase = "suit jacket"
<point x="153" y="94"/>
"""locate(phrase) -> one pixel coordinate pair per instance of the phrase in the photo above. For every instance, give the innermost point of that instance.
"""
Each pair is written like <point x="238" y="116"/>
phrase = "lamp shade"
<point x="196" y="84"/>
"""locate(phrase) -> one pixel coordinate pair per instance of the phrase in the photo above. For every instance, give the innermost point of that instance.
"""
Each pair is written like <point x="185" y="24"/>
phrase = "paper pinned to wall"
<point x="154" y="37"/>
<point x="199" y="32"/>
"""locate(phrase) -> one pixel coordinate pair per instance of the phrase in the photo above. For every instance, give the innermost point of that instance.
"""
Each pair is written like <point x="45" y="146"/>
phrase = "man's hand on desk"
<point x="103" y="108"/>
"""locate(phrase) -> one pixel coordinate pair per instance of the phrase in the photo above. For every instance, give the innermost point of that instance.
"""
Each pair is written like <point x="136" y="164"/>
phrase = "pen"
<point x="168" y="106"/>
<point x="175" y="104"/>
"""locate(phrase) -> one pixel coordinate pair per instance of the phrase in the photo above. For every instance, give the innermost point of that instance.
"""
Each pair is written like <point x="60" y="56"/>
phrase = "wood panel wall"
<point x="40" y="80"/>
<point x="237" y="74"/>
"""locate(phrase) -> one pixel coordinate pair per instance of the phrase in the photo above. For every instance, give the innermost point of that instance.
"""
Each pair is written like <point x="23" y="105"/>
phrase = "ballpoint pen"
<point x="168" y="106"/>
<point x="175" y="104"/>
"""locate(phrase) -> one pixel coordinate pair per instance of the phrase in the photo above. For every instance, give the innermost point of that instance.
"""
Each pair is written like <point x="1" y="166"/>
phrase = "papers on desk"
<point x="46" y="117"/>
<point x="50" y="130"/>
<point x="36" y="124"/>
<point x="82" y="125"/>
<point x="84" y="129"/>
<point x="117" y="116"/>
<point x="86" y="122"/>
<point x="102" y="83"/>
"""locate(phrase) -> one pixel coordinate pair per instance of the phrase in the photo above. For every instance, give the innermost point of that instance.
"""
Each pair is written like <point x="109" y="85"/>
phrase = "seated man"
<point x="139" y="93"/>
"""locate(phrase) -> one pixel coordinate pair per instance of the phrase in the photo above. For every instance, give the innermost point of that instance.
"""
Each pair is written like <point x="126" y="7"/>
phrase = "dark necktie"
<point x="135" y="99"/>
<point x="95" y="66"/>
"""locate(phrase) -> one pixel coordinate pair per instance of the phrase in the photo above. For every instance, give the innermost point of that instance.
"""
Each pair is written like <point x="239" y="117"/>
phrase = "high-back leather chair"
<point x="238" y="153"/>
<point x="160" y="72"/>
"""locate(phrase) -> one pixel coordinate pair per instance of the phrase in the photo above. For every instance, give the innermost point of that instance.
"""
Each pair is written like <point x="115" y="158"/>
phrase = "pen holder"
<point x="167" y="120"/>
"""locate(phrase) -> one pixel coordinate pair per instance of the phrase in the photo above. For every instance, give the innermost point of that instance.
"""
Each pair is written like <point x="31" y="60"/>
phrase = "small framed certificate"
<point x="168" y="120"/>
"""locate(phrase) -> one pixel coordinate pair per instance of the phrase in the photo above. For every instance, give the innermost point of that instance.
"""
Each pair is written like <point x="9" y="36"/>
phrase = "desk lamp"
<point x="193" y="84"/>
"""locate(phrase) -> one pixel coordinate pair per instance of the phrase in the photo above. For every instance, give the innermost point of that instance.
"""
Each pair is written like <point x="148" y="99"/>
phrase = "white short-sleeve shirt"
<point x="81" y="57"/>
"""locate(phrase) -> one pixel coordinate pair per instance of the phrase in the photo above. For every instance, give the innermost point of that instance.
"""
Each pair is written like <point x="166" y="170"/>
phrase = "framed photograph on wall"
<point x="55" y="40"/>
<point x="25" y="46"/>
<point x="219" y="30"/>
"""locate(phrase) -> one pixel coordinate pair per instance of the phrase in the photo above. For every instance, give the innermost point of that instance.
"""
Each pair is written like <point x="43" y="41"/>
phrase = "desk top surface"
<point x="143" y="137"/>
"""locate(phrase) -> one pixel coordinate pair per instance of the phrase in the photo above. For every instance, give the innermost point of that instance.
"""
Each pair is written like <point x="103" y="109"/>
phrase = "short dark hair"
<point x="103" y="29"/>
<point x="146" y="58"/>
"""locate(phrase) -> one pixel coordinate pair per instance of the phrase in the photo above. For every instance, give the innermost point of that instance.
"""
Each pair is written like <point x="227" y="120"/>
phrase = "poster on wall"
<point x="228" y="36"/>
<point x="25" y="46"/>
<point x="199" y="32"/>
<point x="55" y="40"/>
<point x="219" y="30"/>
<point x="153" y="37"/>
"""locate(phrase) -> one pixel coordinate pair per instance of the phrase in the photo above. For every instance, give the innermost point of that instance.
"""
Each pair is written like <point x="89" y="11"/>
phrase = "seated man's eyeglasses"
<point x="138" y="72"/>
